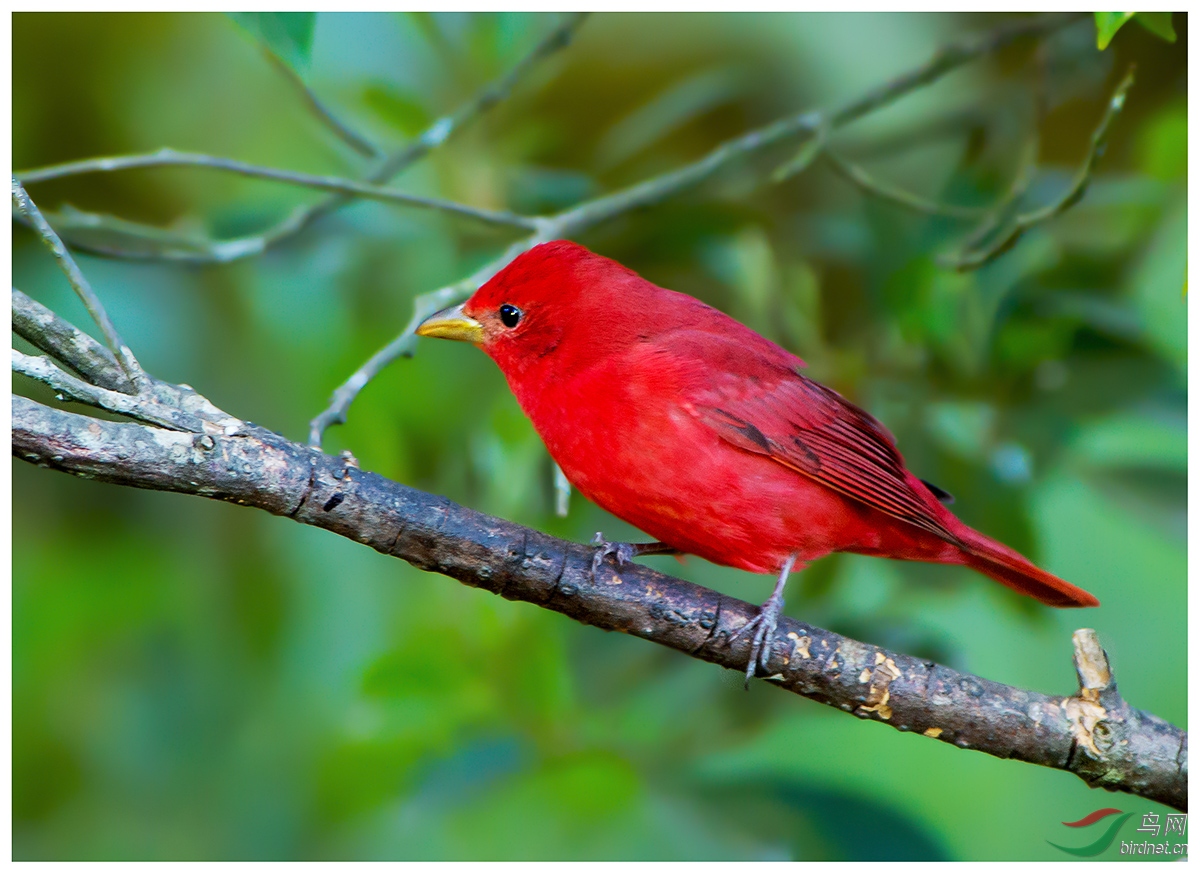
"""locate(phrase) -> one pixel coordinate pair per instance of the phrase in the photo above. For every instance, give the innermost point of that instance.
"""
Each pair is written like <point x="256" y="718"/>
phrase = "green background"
<point x="198" y="680"/>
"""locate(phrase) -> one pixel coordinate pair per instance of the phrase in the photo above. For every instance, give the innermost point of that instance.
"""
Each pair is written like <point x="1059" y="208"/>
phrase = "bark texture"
<point x="1092" y="733"/>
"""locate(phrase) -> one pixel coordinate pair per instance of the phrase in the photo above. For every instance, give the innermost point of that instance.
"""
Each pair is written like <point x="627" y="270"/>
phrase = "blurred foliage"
<point x="1108" y="23"/>
<point x="195" y="680"/>
<point x="288" y="34"/>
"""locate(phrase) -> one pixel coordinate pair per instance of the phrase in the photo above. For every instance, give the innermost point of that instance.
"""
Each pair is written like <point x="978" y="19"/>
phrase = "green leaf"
<point x="1154" y="287"/>
<point x="398" y="108"/>
<point x="1158" y="23"/>
<point x="1107" y="25"/>
<point x="288" y="34"/>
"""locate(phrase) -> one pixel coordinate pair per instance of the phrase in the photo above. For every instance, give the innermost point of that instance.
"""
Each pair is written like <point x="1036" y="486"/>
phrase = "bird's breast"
<point x="629" y="443"/>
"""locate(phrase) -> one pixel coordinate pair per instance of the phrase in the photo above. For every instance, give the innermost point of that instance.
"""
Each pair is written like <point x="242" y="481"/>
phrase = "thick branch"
<point x="1093" y="734"/>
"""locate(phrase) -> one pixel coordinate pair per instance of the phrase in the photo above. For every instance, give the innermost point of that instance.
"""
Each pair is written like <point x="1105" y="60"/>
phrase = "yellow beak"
<point x="451" y="324"/>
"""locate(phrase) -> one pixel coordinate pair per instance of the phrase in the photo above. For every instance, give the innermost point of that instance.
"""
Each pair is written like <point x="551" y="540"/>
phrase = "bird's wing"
<point x="769" y="408"/>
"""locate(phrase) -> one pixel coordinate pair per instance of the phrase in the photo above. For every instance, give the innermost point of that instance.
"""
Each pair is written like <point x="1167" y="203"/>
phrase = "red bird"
<point x="687" y="424"/>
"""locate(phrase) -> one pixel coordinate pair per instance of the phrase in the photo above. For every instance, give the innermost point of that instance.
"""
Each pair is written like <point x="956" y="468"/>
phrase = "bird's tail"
<point x="1009" y="567"/>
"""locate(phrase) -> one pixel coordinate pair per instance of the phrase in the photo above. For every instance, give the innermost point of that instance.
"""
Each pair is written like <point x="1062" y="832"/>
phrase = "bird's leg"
<point x="625" y="552"/>
<point x="763" y="625"/>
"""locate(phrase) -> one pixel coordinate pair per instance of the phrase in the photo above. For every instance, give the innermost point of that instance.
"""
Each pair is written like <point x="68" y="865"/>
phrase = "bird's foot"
<point x="762" y="627"/>
<point x="624" y="552"/>
<point x="762" y="631"/>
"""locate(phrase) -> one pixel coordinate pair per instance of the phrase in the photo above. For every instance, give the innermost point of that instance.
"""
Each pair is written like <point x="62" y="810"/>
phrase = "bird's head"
<point x="554" y="307"/>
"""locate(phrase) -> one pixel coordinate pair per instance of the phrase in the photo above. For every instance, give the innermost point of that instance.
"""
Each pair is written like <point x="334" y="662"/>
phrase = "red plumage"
<point x="680" y="420"/>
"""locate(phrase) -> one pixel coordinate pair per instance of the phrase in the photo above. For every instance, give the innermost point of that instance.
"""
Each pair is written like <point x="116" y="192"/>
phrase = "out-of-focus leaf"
<point x="1157" y="286"/>
<point x="1107" y="25"/>
<point x="288" y="34"/>
<point x="1150" y="494"/>
<point x="667" y="112"/>
<point x="824" y="824"/>
<point x="1163" y="142"/>
<point x="536" y="190"/>
<point x="1134" y="441"/>
<point x="963" y="428"/>
<point x="1158" y="23"/>
<point x="398" y="108"/>
<point x="748" y="264"/>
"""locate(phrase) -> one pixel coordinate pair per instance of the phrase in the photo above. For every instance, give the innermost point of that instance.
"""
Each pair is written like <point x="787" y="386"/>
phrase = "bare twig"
<point x="1093" y="733"/>
<point x="438" y="132"/>
<point x="178" y="407"/>
<point x="579" y="218"/>
<point x="68" y="344"/>
<point x="804" y="158"/>
<point x="562" y="492"/>
<point x="225" y="251"/>
<point x="859" y="177"/>
<point x="402" y="346"/>
<point x="972" y="259"/>
<point x="338" y="185"/>
<point x="317" y="107"/>
<point x="70" y="387"/>
<point x="26" y="207"/>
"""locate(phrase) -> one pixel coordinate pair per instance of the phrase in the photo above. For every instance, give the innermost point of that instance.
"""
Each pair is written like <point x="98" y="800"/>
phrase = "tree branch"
<point x="26" y="207"/>
<point x="974" y="258"/>
<point x="859" y="177"/>
<point x="583" y="216"/>
<point x="225" y="251"/>
<point x="317" y="107"/>
<point x="335" y="184"/>
<point x="1093" y="733"/>
<point x="68" y="344"/>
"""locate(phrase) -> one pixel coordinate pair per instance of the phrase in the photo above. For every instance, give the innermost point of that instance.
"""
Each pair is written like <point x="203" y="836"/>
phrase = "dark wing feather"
<point x="815" y="431"/>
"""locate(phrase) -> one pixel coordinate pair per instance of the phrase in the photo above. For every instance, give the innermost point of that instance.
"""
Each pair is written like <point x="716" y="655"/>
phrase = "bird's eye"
<point x="509" y="315"/>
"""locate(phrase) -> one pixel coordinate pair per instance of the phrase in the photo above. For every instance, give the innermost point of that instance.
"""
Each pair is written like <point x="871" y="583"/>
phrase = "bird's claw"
<point x="762" y="628"/>
<point x="626" y="552"/>
<point x="623" y="552"/>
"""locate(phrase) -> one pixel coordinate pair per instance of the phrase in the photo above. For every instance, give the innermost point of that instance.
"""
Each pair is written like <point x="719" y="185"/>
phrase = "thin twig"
<point x="335" y="184"/>
<point x="974" y="259"/>
<point x="26" y="207"/>
<point x="438" y="132"/>
<point x="104" y="384"/>
<point x="579" y="218"/>
<point x="804" y="158"/>
<point x="317" y="107"/>
<point x="136" y="407"/>
<point x="54" y="335"/>
<point x="950" y="58"/>
<point x="1027" y="163"/>
<point x="236" y="248"/>
<point x="562" y="491"/>
<point x="424" y="305"/>
<point x="859" y="177"/>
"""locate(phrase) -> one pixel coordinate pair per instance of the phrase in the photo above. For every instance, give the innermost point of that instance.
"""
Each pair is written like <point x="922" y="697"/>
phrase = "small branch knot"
<point x="1091" y="665"/>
